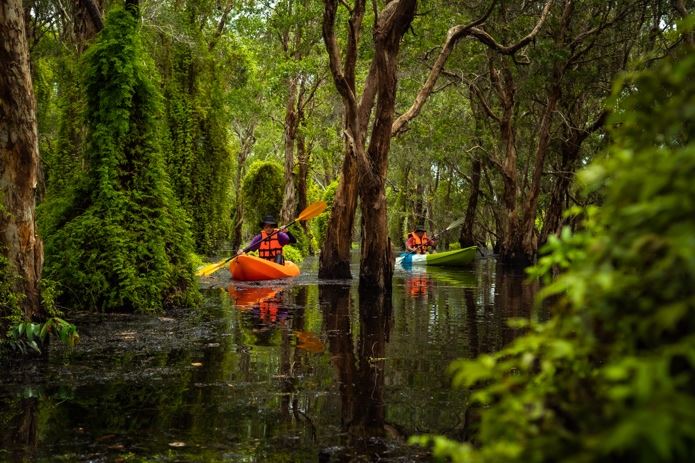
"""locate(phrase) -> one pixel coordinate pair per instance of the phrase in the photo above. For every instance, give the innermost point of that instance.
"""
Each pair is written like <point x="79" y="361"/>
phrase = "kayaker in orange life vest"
<point x="270" y="248"/>
<point x="418" y="242"/>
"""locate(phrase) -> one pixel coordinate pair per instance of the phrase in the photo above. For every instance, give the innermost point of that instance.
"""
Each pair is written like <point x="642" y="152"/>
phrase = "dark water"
<point x="303" y="371"/>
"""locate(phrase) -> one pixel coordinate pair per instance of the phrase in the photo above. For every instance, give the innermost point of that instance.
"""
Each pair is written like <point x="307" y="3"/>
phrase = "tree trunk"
<point x="558" y="198"/>
<point x="511" y="245"/>
<point x="334" y="262"/>
<point x="570" y="148"/>
<point x="467" y="237"/>
<point x="19" y="153"/>
<point x="303" y="154"/>
<point x="289" y="202"/>
<point x="528" y="226"/>
<point x="87" y="21"/>
<point x="376" y="265"/>
<point x="248" y="139"/>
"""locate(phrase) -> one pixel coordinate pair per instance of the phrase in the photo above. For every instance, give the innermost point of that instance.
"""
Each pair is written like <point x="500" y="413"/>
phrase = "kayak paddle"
<point x="453" y="224"/>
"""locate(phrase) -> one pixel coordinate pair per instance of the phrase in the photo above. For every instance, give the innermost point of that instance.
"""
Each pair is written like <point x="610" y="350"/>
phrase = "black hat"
<point x="420" y="227"/>
<point x="268" y="219"/>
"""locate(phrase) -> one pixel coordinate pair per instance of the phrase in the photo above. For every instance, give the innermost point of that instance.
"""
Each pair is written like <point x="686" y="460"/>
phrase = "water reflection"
<point x="305" y="371"/>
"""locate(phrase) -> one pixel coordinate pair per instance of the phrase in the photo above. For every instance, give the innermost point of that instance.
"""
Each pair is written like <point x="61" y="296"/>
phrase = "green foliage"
<point x="64" y="159"/>
<point x="292" y="253"/>
<point x="302" y="245"/>
<point x="611" y="376"/>
<point x="29" y="336"/>
<point x="262" y="190"/>
<point x="320" y="223"/>
<point x="123" y="243"/>
<point x="198" y="157"/>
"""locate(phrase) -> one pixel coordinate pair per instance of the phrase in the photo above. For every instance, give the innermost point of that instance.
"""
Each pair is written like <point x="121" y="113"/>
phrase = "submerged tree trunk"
<point x="19" y="153"/>
<point x="371" y="162"/>
<point x="336" y="303"/>
<point x="334" y="261"/>
<point x="510" y="247"/>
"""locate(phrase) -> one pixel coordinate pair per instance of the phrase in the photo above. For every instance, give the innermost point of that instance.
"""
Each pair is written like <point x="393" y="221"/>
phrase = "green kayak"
<point x="456" y="258"/>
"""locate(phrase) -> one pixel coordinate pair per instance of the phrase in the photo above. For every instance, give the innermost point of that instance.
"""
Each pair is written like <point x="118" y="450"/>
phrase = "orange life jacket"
<point x="417" y="285"/>
<point x="268" y="311"/>
<point x="421" y="244"/>
<point x="271" y="247"/>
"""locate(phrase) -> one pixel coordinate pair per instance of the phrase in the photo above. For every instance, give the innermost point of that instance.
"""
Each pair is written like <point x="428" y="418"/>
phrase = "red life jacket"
<point x="271" y="247"/>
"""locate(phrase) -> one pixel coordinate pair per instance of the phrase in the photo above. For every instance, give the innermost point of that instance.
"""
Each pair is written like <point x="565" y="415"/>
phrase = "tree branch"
<point x="330" y="41"/>
<point x="220" y="25"/>
<point x="94" y="14"/>
<point x="454" y="35"/>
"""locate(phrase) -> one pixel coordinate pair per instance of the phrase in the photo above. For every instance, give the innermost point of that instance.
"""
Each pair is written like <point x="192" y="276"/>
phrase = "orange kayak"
<point x="251" y="268"/>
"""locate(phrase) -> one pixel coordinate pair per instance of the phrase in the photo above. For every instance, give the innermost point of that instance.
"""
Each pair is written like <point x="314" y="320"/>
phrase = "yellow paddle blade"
<point x="209" y="269"/>
<point x="312" y="210"/>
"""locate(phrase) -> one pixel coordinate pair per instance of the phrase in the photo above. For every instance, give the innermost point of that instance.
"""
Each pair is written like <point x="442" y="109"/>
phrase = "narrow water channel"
<point x="300" y="371"/>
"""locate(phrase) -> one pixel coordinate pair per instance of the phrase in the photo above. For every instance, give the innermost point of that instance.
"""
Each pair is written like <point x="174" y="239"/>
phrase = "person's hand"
<point x="239" y="252"/>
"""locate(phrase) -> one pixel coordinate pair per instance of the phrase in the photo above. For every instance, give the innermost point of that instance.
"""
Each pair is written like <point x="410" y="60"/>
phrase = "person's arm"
<point x="283" y="238"/>
<point x="292" y="238"/>
<point x="255" y="244"/>
<point x="409" y="245"/>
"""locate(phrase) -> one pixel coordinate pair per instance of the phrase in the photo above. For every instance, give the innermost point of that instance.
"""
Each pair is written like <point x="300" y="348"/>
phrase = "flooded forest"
<point x="342" y="231"/>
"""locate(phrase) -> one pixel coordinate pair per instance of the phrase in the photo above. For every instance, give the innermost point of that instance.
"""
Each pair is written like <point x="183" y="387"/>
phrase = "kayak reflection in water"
<point x="263" y="307"/>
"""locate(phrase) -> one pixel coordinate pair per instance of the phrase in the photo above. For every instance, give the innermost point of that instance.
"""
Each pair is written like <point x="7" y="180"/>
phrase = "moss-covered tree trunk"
<point x="19" y="158"/>
<point x="122" y="243"/>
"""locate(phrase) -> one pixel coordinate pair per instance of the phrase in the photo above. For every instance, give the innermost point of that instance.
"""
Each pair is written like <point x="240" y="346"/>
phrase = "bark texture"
<point x="19" y="153"/>
<point x="370" y="161"/>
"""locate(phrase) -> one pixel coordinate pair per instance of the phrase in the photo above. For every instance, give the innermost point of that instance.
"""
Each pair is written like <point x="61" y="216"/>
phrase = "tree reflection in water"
<point x="360" y="371"/>
<point x="281" y="372"/>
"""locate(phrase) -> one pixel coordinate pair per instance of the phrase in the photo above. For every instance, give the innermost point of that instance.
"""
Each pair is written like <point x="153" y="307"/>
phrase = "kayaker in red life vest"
<point x="270" y="248"/>
<point x="418" y="242"/>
